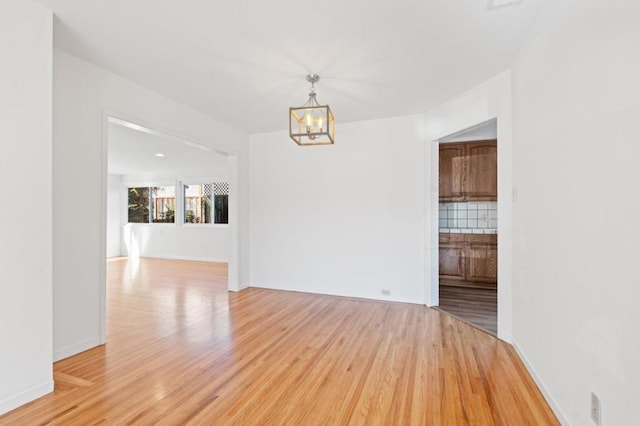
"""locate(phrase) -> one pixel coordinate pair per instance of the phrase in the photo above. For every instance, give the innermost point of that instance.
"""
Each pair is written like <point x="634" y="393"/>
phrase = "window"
<point x="155" y="204"/>
<point x="138" y="205"/>
<point x="206" y="203"/>
<point x="164" y="204"/>
<point x="221" y="192"/>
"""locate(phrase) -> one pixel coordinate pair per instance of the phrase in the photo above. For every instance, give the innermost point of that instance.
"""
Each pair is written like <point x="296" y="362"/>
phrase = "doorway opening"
<point x="468" y="225"/>
<point x="167" y="197"/>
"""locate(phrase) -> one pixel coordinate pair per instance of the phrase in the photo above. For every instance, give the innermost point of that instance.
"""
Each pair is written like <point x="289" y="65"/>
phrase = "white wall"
<point x="487" y="101"/>
<point x="25" y="218"/>
<point x="83" y="94"/>
<point x="114" y="215"/>
<point x="577" y="152"/>
<point x="345" y="219"/>
<point x="208" y="243"/>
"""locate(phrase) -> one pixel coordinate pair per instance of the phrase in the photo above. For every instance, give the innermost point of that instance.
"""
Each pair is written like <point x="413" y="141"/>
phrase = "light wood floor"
<point x="181" y="350"/>
<point x="477" y="306"/>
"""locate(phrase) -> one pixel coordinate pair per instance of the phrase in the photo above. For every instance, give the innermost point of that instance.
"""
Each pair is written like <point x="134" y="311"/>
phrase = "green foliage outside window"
<point x="139" y="205"/>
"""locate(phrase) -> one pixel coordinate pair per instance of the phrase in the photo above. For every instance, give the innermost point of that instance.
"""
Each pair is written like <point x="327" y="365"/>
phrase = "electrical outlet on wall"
<point x="595" y="409"/>
<point x="386" y="292"/>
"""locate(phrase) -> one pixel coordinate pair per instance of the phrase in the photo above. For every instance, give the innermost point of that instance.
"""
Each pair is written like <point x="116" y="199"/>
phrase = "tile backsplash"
<point x="473" y="217"/>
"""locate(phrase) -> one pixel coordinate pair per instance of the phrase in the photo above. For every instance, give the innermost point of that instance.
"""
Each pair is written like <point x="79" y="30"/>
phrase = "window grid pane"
<point x="138" y="209"/>
<point x="197" y="203"/>
<point x="206" y="203"/>
<point x="221" y="191"/>
<point x="164" y="200"/>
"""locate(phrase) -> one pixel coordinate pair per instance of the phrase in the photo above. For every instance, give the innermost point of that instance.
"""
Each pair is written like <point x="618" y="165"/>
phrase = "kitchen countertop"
<point x="467" y="231"/>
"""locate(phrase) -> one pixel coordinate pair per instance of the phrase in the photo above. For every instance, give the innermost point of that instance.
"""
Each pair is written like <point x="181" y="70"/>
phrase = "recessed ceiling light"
<point x="496" y="4"/>
<point x="159" y="154"/>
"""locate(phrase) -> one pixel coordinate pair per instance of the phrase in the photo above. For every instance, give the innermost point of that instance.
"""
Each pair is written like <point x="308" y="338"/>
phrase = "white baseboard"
<point x="192" y="259"/>
<point x="338" y="294"/>
<point x="196" y="259"/>
<point x="554" y="407"/>
<point x="28" y="395"/>
<point x="76" y="348"/>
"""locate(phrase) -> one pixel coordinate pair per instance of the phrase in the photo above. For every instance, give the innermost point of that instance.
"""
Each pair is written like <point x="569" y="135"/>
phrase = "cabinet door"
<point x="452" y="164"/>
<point x="452" y="261"/>
<point x="482" y="171"/>
<point x="482" y="263"/>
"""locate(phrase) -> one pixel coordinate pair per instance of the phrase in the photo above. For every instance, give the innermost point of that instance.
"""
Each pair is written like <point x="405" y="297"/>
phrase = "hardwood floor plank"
<point x="183" y="350"/>
<point x="477" y="306"/>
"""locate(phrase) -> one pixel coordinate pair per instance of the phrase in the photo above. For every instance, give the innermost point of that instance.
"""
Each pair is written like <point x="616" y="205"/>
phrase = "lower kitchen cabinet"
<point x="452" y="262"/>
<point x="469" y="260"/>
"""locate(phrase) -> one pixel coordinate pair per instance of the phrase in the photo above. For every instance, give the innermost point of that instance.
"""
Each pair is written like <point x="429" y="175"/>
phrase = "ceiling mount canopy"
<point x="312" y="123"/>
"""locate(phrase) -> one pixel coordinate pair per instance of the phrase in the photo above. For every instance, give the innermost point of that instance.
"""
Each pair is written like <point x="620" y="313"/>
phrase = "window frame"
<point x="153" y="203"/>
<point x="148" y="184"/>
<point x="179" y="218"/>
<point x="199" y="181"/>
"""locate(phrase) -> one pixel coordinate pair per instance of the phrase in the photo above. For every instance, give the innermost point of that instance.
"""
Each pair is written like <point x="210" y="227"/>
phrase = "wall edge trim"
<point x="76" y="348"/>
<point x="545" y="393"/>
<point x="28" y="395"/>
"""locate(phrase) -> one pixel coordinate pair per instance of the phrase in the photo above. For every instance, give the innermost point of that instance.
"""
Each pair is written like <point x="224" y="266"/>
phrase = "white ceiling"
<point x="243" y="61"/>
<point x="133" y="149"/>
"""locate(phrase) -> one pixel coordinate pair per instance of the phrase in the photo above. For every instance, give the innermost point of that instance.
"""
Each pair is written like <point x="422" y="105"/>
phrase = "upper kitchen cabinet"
<point x="452" y="159"/>
<point x="481" y="178"/>
<point x="468" y="171"/>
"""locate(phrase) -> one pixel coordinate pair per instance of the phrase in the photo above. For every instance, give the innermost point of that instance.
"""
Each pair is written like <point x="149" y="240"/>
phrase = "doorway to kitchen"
<point x="468" y="225"/>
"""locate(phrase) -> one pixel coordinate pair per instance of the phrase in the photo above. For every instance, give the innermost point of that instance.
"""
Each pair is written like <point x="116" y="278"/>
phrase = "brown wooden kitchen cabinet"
<point x="452" y="159"/>
<point x="468" y="171"/>
<point x="469" y="260"/>
<point x="452" y="257"/>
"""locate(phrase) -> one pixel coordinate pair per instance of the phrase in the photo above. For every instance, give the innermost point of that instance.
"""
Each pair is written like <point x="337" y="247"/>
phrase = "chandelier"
<point x="312" y="123"/>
